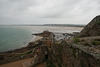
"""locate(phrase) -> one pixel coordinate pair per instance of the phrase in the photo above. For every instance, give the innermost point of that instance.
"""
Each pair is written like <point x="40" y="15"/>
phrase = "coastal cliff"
<point x="91" y="29"/>
<point x="82" y="51"/>
<point x="65" y="49"/>
<point x="73" y="55"/>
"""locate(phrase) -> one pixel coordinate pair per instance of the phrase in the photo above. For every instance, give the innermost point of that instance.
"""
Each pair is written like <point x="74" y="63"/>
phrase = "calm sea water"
<point x="13" y="37"/>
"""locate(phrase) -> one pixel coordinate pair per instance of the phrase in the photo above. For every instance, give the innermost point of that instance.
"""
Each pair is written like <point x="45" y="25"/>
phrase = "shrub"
<point x="76" y="40"/>
<point x="95" y="42"/>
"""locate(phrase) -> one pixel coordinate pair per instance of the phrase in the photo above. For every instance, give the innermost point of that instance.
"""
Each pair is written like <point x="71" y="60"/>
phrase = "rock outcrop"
<point x="74" y="55"/>
<point x="92" y="29"/>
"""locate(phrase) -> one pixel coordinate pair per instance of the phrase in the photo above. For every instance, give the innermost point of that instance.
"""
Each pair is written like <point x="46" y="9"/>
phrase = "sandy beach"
<point x="20" y="63"/>
<point x="17" y="63"/>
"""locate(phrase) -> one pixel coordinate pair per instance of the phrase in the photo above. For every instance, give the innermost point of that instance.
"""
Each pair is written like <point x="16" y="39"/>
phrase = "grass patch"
<point x="76" y="40"/>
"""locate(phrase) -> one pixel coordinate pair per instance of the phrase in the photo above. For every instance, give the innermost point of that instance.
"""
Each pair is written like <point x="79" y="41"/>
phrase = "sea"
<point x="15" y="37"/>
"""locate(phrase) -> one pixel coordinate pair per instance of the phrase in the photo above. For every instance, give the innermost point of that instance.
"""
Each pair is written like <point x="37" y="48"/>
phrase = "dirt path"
<point x="17" y="63"/>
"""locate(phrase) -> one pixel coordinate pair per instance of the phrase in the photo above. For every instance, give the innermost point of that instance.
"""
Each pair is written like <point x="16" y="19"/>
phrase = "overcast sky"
<point x="48" y="11"/>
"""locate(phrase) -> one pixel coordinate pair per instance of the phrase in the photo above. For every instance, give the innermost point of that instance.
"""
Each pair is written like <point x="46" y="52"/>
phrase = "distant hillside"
<point x="70" y="25"/>
<point x="91" y="29"/>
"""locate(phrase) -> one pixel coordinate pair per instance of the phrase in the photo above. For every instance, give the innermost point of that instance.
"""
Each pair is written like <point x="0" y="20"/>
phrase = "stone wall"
<point x="68" y="55"/>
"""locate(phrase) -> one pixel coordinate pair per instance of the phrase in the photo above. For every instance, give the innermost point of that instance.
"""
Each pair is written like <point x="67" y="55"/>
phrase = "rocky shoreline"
<point x="28" y="51"/>
<point x="9" y="56"/>
<point x="60" y="49"/>
<point x="52" y="46"/>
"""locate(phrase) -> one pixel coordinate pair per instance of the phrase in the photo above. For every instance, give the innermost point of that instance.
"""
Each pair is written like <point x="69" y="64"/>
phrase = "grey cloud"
<point x="48" y="11"/>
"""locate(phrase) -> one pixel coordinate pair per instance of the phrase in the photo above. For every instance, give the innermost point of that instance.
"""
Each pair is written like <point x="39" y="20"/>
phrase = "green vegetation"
<point x="59" y="47"/>
<point x="50" y="64"/>
<point x="86" y="44"/>
<point x="66" y="64"/>
<point x="74" y="52"/>
<point x="82" y="64"/>
<point x="57" y="44"/>
<point x="2" y="58"/>
<point x="59" y="65"/>
<point x="95" y="42"/>
<point x="98" y="23"/>
<point x="29" y="52"/>
<point x="76" y="40"/>
<point x="25" y="53"/>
